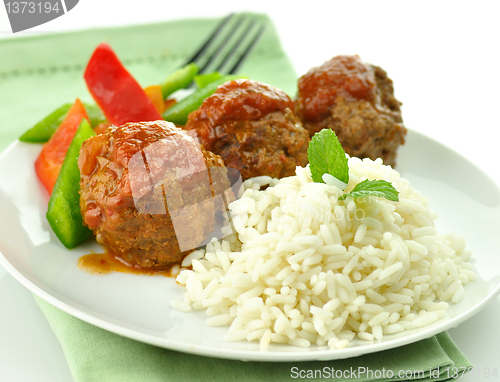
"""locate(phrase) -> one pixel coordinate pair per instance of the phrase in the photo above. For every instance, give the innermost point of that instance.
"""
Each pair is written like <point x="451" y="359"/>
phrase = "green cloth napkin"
<point x="40" y="73"/>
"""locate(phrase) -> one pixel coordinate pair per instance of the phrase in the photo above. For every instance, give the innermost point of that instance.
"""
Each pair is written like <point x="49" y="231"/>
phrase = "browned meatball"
<point x="356" y="100"/>
<point x="146" y="193"/>
<point x="253" y="128"/>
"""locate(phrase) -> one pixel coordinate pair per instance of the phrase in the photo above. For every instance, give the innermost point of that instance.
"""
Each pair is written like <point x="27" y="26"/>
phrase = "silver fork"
<point x="229" y="45"/>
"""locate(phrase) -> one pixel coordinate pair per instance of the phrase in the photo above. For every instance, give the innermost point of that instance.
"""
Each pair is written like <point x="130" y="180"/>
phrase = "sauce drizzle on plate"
<point x="107" y="262"/>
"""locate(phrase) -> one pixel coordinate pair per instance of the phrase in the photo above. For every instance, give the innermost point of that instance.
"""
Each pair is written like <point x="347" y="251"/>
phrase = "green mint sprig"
<point x="380" y="188"/>
<point x="326" y="156"/>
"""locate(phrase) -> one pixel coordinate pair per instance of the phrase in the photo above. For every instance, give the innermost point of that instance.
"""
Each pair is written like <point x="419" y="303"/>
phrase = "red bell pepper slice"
<point x="118" y="94"/>
<point x="51" y="157"/>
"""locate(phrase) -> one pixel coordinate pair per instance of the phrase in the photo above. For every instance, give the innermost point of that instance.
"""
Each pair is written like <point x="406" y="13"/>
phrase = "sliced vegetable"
<point x="63" y="211"/>
<point x="169" y="102"/>
<point x="179" y="79"/>
<point x="118" y="94"/>
<point x="179" y="112"/>
<point x="202" y="80"/>
<point x="44" y="129"/>
<point x="51" y="158"/>
<point x="94" y="112"/>
<point x="155" y="95"/>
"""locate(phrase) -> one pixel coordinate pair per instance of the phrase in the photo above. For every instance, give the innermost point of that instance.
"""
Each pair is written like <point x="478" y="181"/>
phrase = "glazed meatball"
<point x="253" y="128"/>
<point x="356" y="100"/>
<point x="146" y="192"/>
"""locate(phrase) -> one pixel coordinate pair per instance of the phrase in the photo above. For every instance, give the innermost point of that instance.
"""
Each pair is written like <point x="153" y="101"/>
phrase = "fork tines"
<point x="229" y="45"/>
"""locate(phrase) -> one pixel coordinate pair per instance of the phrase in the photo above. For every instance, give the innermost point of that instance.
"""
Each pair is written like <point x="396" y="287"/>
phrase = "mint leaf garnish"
<point x="326" y="156"/>
<point x="379" y="188"/>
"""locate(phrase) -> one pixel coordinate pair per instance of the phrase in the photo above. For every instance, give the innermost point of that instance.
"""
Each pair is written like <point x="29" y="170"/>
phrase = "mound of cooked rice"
<point x="303" y="268"/>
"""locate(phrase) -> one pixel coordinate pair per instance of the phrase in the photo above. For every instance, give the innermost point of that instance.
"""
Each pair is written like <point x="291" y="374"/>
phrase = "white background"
<point x="443" y="57"/>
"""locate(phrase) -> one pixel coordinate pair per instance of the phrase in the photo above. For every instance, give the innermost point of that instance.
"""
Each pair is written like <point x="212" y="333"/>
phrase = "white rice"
<point x="303" y="268"/>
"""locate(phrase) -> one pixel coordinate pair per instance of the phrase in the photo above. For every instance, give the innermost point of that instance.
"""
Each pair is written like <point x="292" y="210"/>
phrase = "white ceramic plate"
<point x="138" y="307"/>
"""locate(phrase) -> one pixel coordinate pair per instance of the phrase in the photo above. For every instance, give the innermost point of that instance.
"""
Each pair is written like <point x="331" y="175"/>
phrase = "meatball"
<point x="253" y="128"/>
<point x="356" y="100"/>
<point x="146" y="192"/>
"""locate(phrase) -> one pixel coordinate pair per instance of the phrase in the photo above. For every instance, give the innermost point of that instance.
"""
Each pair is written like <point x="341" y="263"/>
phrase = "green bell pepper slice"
<point x="63" y="213"/>
<point x="179" y="79"/>
<point x="44" y="129"/>
<point x="203" y="80"/>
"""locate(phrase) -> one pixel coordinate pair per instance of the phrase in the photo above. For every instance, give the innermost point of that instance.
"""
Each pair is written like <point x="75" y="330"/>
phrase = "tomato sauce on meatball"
<point x="253" y="127"/>
<point x="146" y="192"/>
<point x="356" y="100"/>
